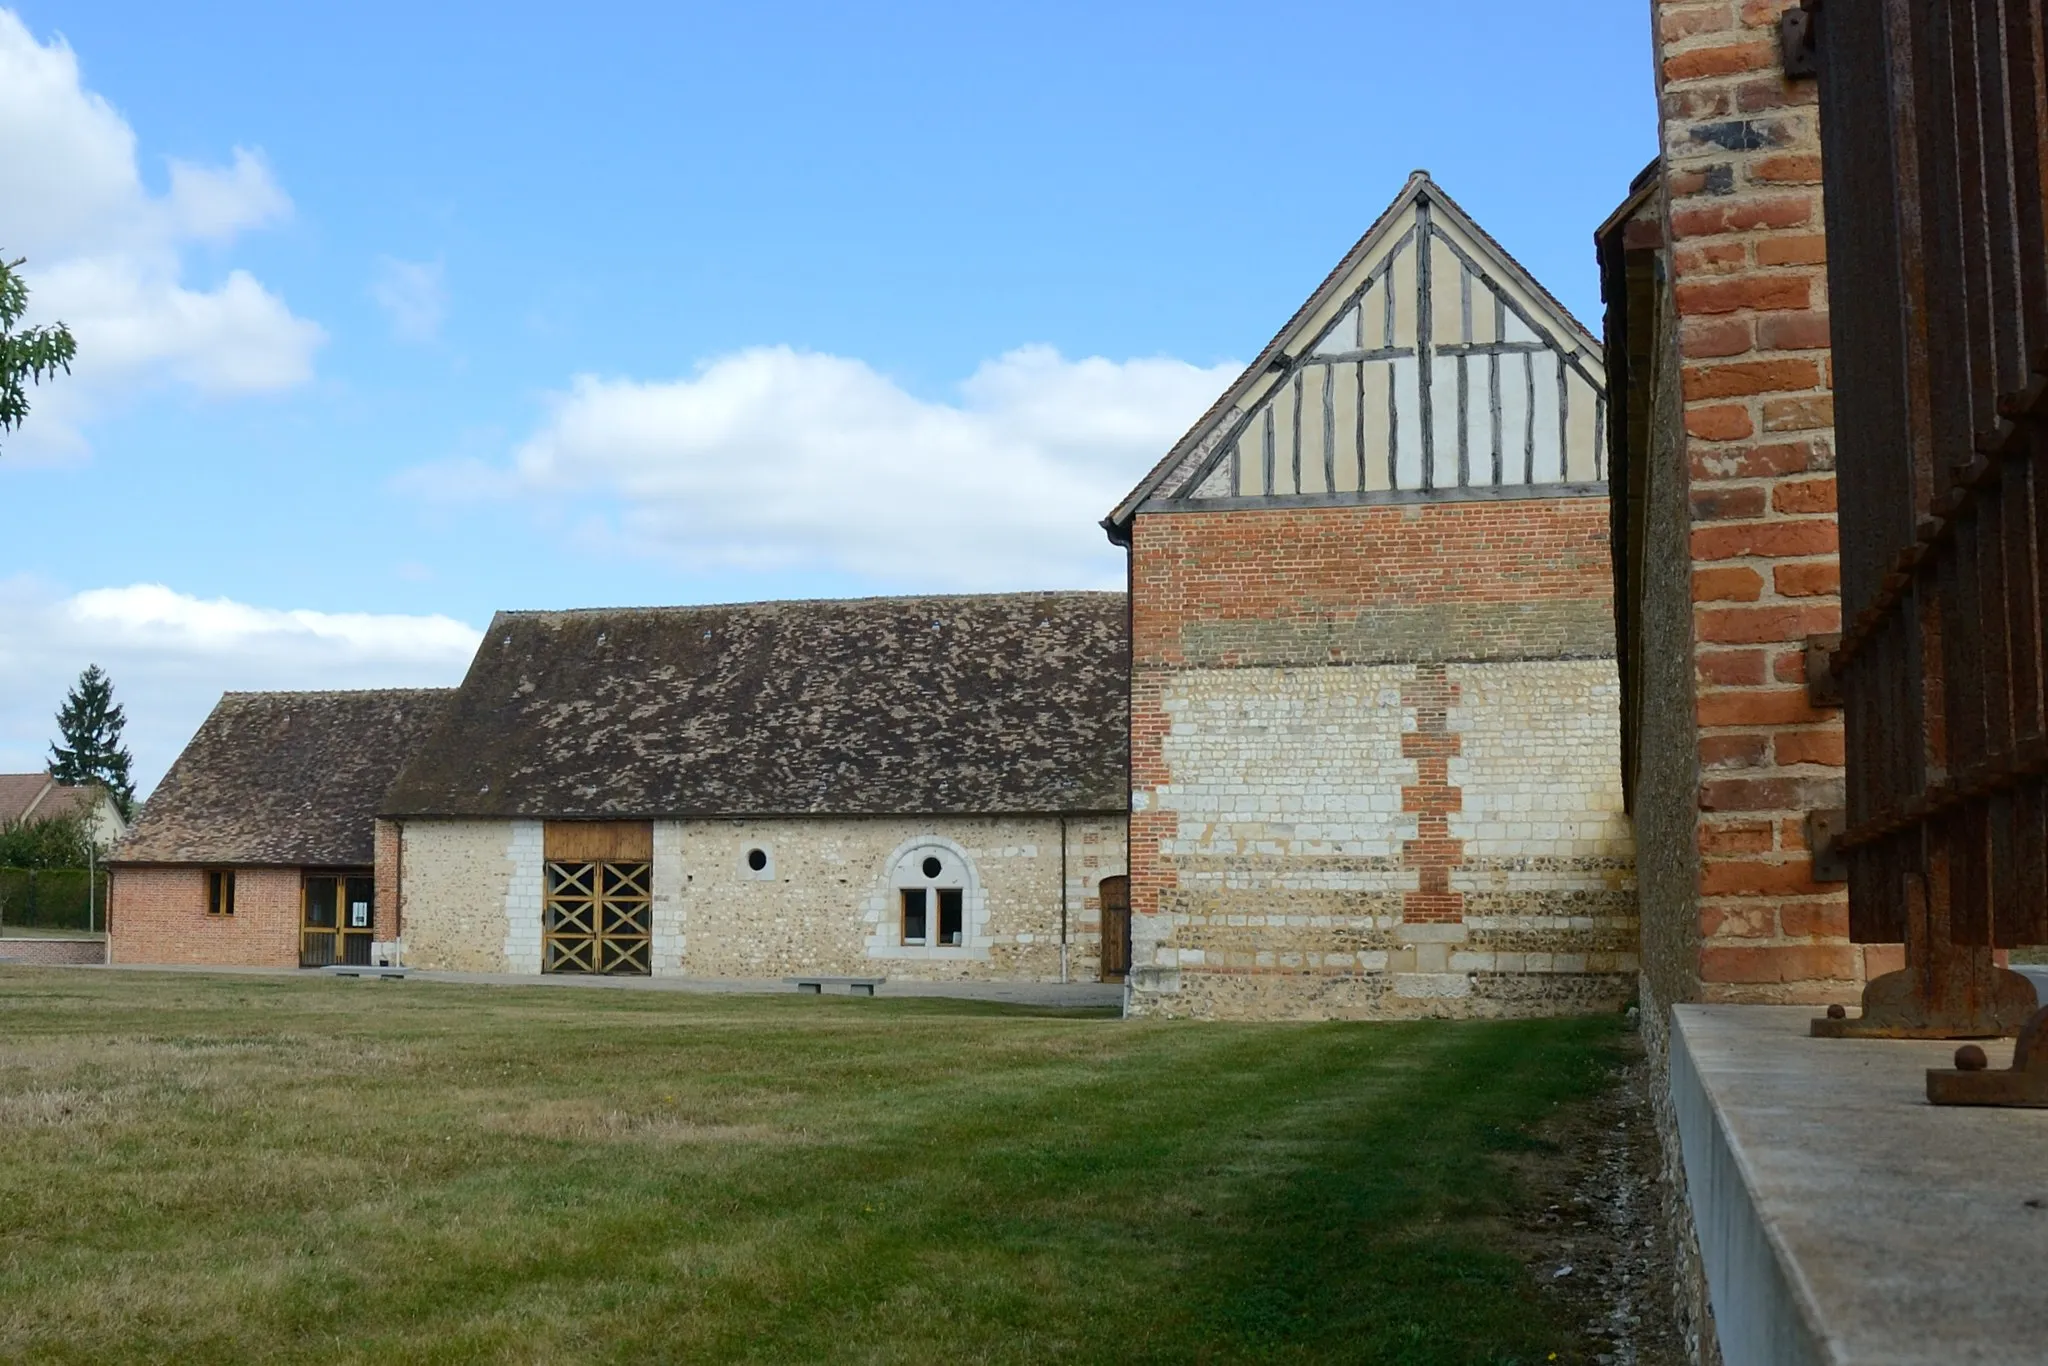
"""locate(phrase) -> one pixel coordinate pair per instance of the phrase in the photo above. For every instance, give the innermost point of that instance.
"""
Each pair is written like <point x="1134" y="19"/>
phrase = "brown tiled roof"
<point x="880" y="706"/>
<point x="19" y="793"/>
<point x="285" y="778"/>
<point x="64" y="800"/>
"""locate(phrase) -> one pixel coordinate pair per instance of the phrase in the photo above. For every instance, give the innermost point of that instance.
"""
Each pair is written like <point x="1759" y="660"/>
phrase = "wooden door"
<point x="1116" y="928"/>
<point x="338" y="921"/>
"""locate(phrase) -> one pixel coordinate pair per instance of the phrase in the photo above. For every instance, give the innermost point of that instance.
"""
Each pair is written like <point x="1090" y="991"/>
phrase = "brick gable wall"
<point x="1374" y="761"/>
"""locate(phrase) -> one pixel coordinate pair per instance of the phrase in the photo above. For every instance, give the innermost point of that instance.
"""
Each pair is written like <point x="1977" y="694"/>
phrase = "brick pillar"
<point x="1748" y="275"/>
<point x="1150" y="827"/>
<point x="1432" y="853"/>
<point x="386" y="847"/>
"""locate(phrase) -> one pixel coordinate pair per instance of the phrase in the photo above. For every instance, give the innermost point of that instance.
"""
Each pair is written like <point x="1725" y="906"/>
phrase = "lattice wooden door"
<point x="598" y="918"/>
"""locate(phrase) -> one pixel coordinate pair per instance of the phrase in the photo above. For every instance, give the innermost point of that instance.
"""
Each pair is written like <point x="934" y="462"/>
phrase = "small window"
<point x="915" y="923"/>
<point x="757" y="859"/>
<point x="949" y="916"/>
<point x="220" y="892"/>
<point x="932" y="867"/>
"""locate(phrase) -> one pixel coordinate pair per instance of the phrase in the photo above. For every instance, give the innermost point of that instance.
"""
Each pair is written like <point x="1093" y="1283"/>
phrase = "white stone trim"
<point x="879" y="910"/>
<point x="667" y="914"/>
<point x="526" y="852"/>
<point x="766" y="872"/>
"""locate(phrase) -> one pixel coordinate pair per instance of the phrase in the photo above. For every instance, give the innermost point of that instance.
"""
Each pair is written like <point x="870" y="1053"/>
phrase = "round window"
<point x="757" y="859"/>
<point x="932" y="867"/>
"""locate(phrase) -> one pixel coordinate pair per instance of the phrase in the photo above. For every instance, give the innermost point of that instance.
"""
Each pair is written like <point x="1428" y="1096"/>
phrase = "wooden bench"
<point x="362" y="970"/>
<point x="855" y="986"/>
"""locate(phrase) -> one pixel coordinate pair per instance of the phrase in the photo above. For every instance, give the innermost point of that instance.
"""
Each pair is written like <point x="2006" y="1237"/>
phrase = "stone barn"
<point x="1374" y="753"/>
<point x="924" y="788"/>
<point x="255" y="849"/>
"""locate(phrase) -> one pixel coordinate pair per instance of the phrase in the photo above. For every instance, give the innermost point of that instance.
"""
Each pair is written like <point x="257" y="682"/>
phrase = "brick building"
<point x="924" y="788"/>
<point x="255" y="850"/>
<point x="1373" y="695"/>
<point x="1714" y="270"/>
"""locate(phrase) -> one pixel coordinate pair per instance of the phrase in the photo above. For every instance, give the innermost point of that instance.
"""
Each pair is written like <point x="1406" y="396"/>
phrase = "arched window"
<point x="933" y="906"/>
<point x="931" y="903"/>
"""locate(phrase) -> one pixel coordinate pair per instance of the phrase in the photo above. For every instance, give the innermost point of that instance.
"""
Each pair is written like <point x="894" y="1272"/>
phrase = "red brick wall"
<point x="389" y="853"/>
<point x="1748" y="276"/>
<point x="158" y="915"/>
<point x="1351" y="580"/>
<point x="1307" y="566"/>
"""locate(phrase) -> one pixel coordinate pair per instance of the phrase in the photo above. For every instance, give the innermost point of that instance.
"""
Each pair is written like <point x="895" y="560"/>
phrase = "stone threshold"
<point x="1841" y="1218"/>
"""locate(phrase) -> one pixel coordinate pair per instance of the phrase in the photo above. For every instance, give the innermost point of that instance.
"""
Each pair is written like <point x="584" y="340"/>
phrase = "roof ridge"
<point x="332" y="692"/>
<point x="819" y="602"/>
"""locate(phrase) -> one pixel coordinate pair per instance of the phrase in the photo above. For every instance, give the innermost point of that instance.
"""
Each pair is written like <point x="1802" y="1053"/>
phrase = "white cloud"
<point x="106" y="255"/>
<point x="413" y="294"/>
<point x="172" y="655"/>
<point x="775" y="458"/>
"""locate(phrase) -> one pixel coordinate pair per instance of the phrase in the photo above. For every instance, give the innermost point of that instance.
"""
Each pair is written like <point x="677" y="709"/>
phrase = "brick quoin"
<point x="1433" y="853"/>
<point x="1748" y="261"/>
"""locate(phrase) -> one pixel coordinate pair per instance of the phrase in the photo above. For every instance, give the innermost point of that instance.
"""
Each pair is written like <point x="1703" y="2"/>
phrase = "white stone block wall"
<point x="525" y="851"/>
<point x="1287" y="850"/>
<point x="668" y="883"/>
<point x="1540" y="768"/>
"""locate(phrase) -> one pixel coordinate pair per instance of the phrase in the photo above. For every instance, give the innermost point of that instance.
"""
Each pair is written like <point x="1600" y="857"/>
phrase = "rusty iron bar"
<point x="1934" y="125"/>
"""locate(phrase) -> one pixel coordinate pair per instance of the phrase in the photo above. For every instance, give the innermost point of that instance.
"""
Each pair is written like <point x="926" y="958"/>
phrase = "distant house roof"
<point x="39" y="797"/>
<point x="283" y="778"/>
<point x="883" y="706"/>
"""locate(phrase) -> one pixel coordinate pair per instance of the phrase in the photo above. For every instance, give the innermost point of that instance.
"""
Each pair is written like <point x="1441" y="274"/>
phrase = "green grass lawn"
<point x="215" y="1169"/>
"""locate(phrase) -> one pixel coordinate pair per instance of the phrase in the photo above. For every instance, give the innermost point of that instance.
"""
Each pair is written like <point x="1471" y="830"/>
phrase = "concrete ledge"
<point x="1841" y="1218"/>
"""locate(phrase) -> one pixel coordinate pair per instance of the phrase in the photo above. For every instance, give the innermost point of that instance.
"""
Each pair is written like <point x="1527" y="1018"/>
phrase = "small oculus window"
<point x="757" y="859"/>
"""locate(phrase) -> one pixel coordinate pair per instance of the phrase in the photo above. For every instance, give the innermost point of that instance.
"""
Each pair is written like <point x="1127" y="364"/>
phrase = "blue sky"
<point x="390" y="316"/>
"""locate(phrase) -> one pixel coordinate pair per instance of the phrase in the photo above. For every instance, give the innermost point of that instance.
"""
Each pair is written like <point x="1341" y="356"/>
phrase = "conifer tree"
<point x="28" y="355"/>
<point x="89" y="748"/>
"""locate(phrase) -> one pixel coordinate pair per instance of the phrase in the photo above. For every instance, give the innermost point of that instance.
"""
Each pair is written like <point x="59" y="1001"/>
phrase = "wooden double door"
<point x="338" y="919"/>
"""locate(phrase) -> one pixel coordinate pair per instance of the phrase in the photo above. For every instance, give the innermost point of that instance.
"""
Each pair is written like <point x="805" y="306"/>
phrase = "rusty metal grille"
<point x="1932" y="115"/>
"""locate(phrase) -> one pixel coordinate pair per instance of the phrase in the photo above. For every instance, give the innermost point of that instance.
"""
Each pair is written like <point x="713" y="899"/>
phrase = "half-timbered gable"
<point x="1335" y="408"/>
<point x="1373" y="753"/>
